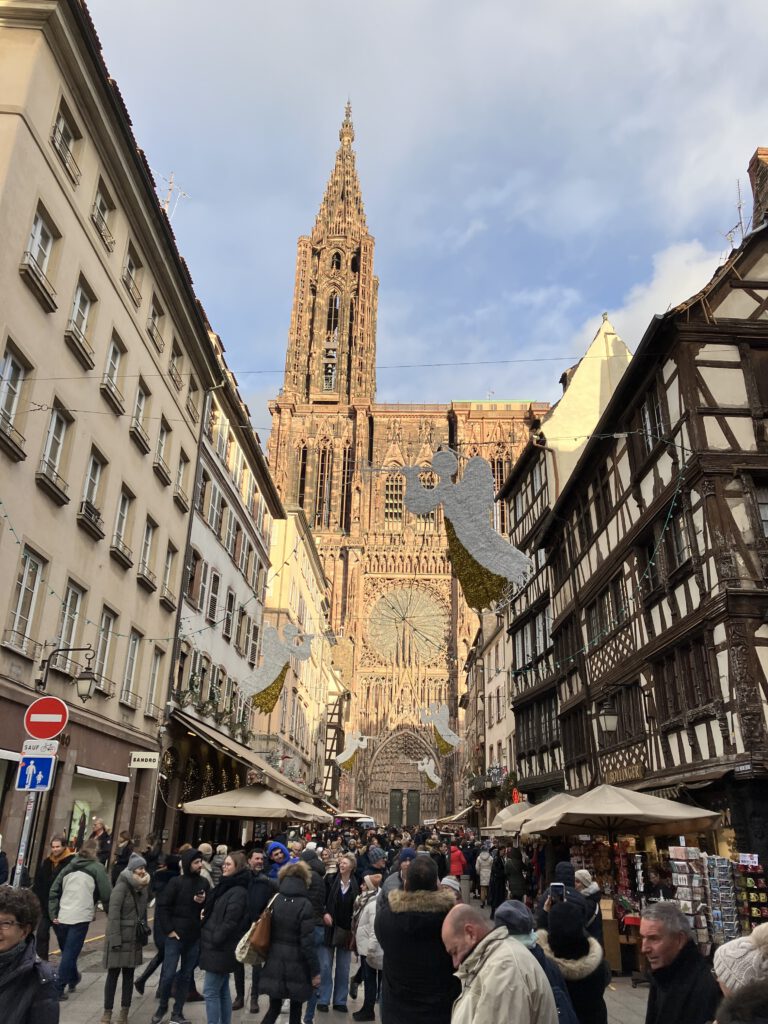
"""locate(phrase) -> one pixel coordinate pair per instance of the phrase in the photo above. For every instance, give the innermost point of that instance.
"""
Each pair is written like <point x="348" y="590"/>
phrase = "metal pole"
<point x="24" y="842"/>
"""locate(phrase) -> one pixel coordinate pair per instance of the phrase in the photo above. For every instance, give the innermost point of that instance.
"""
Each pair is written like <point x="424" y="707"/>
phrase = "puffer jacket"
<point x="365" y="937"/>
<point x="75" y="890"/>
<point x="292" y="961"/>
<point x="500" y="982"/>
<point x="216" y="866"/>
<point x="585" y="978"/>
<point x="458" y="862"/>
<point x="483" y="865"/>
<point x="28" y="993"/>
<point x="127" y="906"/>
<point x="225" y="921"/>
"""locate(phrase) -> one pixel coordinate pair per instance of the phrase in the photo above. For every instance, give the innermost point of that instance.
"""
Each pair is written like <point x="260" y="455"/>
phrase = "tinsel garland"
<point x="481" y="587"/>
<point x="267" y="699"/>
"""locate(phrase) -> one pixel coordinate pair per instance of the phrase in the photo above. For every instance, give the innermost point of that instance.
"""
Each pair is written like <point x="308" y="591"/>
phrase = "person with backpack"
<point x="127" y="934"/>
<point x="71" y="908"/>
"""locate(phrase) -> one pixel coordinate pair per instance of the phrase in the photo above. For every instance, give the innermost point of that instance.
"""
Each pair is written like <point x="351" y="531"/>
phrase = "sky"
<point x="524" y="167"/>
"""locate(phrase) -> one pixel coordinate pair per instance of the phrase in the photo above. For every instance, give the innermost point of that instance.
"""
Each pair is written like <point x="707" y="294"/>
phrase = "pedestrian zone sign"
<point x="35" y="773"/>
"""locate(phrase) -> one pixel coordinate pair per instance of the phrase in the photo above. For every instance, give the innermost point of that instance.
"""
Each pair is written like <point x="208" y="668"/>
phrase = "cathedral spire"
<point x="341" y="211"/>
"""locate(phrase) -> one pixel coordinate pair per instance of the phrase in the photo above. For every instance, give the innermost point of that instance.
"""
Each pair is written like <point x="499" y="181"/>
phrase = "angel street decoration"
<point x="428" y="768"/>
<point x="446" y="739"/>
<point x="484" y="563"/>
<point x="266" y="684"/>
<point x="355" y="741"/>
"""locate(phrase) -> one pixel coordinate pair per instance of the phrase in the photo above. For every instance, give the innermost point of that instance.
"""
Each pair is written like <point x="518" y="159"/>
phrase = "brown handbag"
<point x="261" y="933"/>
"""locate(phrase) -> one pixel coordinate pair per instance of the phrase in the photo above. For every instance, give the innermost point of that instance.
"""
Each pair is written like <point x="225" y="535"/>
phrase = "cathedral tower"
<point x="403" y="629"/>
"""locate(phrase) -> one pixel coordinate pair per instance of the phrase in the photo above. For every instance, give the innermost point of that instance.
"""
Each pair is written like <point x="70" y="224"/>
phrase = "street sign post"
<point x="45" y="718"/>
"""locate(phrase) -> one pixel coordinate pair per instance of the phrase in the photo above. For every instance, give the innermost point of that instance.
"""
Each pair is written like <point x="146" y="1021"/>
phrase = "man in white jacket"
<point x="500" y="980"/>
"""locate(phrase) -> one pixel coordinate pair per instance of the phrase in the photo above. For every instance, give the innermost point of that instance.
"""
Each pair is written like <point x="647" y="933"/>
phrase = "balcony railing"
<point x="168" y="598"/>
<point x="101" y="226"/>
<point x="133" y="289"/>
<point x="162" y="469"/>
<point x="50" y="480"/>
<point x="181" y="497"/>
<point x="89" y="518"/>
<point x="112" y="393"/>
<point x="104" y="686"/>
<point x="65" y="155"/>
<point x="192" y="409"/>
<point x="79" y="345"/>
<point x="35" y="278"/>
<point x="154" y="333"/>
<point x="130" y="699"/>
<point x="120" y="551"/>
<point x="175" y="376"/>
<point x="146" y="577"/>
<point x="11" y="440"/>
<point x="152" y="711"/>
<point x="139" y="435"/>
<point x="22" y="644"/>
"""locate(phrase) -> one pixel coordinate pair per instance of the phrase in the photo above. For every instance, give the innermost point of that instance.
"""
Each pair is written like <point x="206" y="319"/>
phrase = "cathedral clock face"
<point x="407" y="625"/>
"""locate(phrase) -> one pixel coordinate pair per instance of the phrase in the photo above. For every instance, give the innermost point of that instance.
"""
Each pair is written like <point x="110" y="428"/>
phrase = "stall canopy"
<point x="451" y="818"/>
<point x="249" y="802"/>
<point x="612" y="809"/>
<point x="308" y="812"/>
<point x="353" y="815"/>
<point x="506" y="821"/>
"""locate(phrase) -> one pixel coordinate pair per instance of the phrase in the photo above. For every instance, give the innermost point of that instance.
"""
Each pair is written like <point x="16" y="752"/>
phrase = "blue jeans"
<point x="337" y="985"/>
<point x="174" y="951"/>
<point x="71" y="938"/>
<point x="314" y="999"/>
<point x="218" y="1000"/>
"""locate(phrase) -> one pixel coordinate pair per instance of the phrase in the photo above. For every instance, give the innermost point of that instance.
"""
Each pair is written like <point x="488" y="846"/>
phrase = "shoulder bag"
<point x="261" y="932"/>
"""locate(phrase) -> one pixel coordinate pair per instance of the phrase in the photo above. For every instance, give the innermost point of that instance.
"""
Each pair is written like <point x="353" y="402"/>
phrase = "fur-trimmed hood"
<point x="573" y="970"/>
<point x="422" y="901"/>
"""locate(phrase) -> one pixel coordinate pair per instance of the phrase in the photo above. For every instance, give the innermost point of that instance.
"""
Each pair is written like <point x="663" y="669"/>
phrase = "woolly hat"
<point x="451" y="883"/>
<point x="368" y="881"/>
<point x="567" y="937"/>
<point x="310" y="847"/>
<point x="135" y="862"/>
<point x="743" y="960"/>
<point x="515" y="916"/>
<point x="221" y="850"/>
<point x="407" y="853"/>
<point x="584" y="877"/>
<point x="376" y="853"/>
<point x="206" y="850"/>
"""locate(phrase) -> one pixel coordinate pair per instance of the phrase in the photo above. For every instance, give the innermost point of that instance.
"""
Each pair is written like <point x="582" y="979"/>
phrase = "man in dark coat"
<point x="418" y="981"/>
<point x="292" y="970"/>
<point x="28" y="994"/>
<point x="58" y="858"/>
<point x="178" y="914"/>
<point x="261" y="889"/>
<point x="682" y="987"/>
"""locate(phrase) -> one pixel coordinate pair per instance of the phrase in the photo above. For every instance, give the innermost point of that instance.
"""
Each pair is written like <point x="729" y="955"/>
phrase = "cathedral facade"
<point x="402" y="625"/>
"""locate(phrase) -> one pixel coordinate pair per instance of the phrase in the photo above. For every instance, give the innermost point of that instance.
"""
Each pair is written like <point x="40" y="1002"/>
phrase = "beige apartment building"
<point x="104" y="361"/>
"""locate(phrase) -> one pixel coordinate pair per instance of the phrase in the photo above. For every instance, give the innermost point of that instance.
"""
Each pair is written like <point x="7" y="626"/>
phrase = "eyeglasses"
<point x="9" y="924"/>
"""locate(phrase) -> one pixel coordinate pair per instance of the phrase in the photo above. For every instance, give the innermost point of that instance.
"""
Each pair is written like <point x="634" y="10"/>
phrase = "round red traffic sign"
<point x="45" y="718"/>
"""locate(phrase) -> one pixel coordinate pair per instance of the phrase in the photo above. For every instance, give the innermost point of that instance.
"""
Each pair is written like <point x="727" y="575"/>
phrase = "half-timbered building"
<point x="657" y="554"/>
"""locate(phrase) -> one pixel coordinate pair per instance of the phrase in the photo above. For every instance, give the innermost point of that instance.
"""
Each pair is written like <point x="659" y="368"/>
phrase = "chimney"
<point x="758" y="179"/>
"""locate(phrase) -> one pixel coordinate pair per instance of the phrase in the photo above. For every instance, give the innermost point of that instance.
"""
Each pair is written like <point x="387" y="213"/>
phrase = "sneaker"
<point x="340" y="1008"/>
<point x="158" y="1015"/>
<point x="179" y="1018"/>
<point x="322" y="1007"/>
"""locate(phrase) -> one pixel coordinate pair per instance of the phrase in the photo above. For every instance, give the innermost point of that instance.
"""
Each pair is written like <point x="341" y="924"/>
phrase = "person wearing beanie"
<point x="580" y="959"/>
<point x="749" y="1005"/>
<point x="500" y="981"/>
<point x="206" y="852"/>
<point x="123" y="944"/>
<point x="518" y="920"/>
<point x="367" y="945"/>
<point x="452" y="885"/>
<point x="592" y="893"/>
<point x="742" y="961"/>
<point x="682" y="987"/>
<point x="178" y="918"/>
<point x="396" y="878"/>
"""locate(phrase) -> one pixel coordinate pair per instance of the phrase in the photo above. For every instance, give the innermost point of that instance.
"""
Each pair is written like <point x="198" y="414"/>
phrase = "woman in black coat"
<point x="580" y="959"/>
<point x="292" y="969"/>
<point x="497" y="890"/>
<point x="225" y="921"/>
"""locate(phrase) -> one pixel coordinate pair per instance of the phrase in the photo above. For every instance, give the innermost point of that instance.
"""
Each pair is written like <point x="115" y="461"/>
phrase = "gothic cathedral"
<point x="402" y="624"/>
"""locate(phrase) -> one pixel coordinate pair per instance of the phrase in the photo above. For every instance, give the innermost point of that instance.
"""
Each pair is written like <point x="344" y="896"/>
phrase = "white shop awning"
<point x="93" y="773"/>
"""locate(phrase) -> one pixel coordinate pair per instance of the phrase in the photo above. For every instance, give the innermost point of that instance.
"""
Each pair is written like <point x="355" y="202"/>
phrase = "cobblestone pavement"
<point x="625" y="1004"/>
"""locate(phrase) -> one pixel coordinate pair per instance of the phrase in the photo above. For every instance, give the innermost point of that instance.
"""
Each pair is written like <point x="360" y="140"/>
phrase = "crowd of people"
<point x="435" y="929"/>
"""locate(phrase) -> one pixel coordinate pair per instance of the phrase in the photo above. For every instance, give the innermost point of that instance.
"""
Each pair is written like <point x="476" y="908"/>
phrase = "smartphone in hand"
<point x="557" y="892"/>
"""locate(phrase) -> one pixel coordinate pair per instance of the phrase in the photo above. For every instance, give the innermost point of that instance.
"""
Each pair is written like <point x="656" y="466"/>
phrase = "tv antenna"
<point x="172" y="196"/>
<point x="738" y="227"/>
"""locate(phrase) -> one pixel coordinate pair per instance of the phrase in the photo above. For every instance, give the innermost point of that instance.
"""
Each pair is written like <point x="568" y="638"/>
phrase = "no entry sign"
<point x="45" y="718"/>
